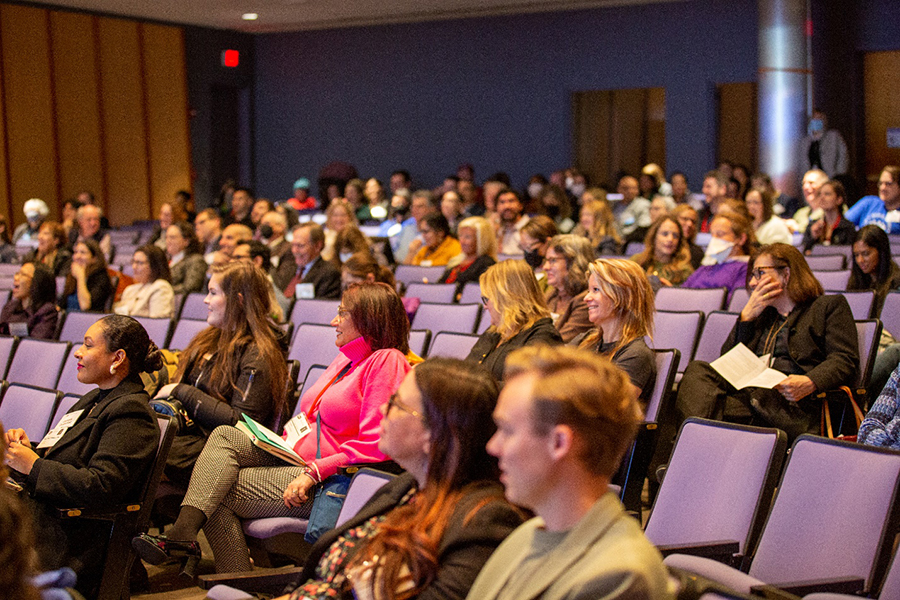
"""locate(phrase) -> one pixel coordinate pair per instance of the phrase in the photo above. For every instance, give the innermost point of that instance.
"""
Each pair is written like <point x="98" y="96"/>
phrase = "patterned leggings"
<point x="234" y="480"/>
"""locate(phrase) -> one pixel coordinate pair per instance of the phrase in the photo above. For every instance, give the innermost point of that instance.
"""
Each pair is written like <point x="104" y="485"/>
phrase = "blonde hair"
<point x="626" y="286"/>
<point x="513" y="290"/>
<point x="485" y="240"/>
<point x="604" y="222"/>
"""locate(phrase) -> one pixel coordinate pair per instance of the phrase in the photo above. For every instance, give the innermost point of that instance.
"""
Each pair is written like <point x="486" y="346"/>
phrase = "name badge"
<point x="296" y="429"/>
<point x="305" y="291"/>
<point x="61" y="428"/>
<point x="20" y="329"/>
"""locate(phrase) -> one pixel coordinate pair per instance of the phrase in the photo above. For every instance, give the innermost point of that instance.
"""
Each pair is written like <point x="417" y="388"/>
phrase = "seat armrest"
<point x="720" y="550"/>
<point x="840" y="585"/>
<point x="106" y="513"/>
<point x="268" y="581"/>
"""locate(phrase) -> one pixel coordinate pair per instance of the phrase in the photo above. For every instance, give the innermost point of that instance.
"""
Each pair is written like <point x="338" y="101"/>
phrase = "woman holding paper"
<point x="235" y="479"/>
<point x="98" y="455"/>
<point x="804" y="334"/>
<point x="235" y="366"/>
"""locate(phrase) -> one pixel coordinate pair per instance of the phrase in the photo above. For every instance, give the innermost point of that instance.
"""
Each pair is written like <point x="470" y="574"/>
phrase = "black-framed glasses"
<point x="484" y="300"/>
<point x="758" y="272"/>
<point x="395" y="401"/>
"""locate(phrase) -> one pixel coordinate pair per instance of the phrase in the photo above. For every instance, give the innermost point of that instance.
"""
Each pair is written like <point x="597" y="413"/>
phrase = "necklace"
<point x="769" y="344"/>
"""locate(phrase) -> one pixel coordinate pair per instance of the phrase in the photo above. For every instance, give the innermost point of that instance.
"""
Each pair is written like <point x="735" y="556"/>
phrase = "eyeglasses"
<point x="342" y="312"/>
<point x="394" y="401"/>
<point x="484" y="300"/>
<point x="758" y="272"/>
<point x="549" y="261"/>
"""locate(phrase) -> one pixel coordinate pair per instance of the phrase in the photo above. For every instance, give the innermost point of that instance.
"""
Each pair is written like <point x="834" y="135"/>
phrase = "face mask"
<point x="266" y="231"/>
<point x="345" y="256"/>
<point x="533" y="259"/>
<point x="717" y="252"/>
<point x="569" y="182"/>
<point x="534" y="189"/>
<point x="816" y="126"/>
<point x="577" y="189"/>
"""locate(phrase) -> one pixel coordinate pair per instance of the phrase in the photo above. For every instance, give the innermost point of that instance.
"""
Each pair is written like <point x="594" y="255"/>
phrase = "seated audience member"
<point x="597" y="224"/>
<point x="260" y="208"/>
<point x="361" y="267"/>
<point x="812" y="181"/>
<point x="564" y="420"/>
<point x="350" y="241"/>
<point x="69" y="218"/>
<point x="353" y="193"/>
<point x="810" y="337"/>
<point x="511" y="218"/>
<point x="345" y="402"/>
<point x="881" y="427"/>
<point x="101" y="461"/>
<point x="338" y="216"/>
<point x="7" y="248"/>
<point x="715" y="188"/>
<point x="632" y="212"/>
<point x="301" y="199"/>
<point x="659" y="206"/>
<point x="681" y="194"/>
<point x="451" y="208"/>
<point x="873" y="268"/>
<point x="257" y="253"/>
<point x="725" y="261"/>
<point x="535" y="238"/>
<point x="51" y="249"/>
<point x="168" y="214"/>
<point x="151" y="294"/>
<point x="666" y="255"/>
<point x="89" y="220"/>
<point x="518" y="313"/>
<point x="325" y="278"/>
<point x="555" y="204"/>
<point x="272" y="229"/>
<point x="784" y="206"/>
<point x="651" y="181"/>
<point x="186" y="265"/>
<point x="36" y="212"/>
<point x="88" y="287"/>
<point x="831" y="228"/>
<point x="233" y="235"/>
<point x="566" y="268"/>
<point x="208" y="225"/>
<point x="438" y="246"/>
<point x="235" y="366"/>
<point x="767" y="226"/>
<point x="881" y="209"/>
<point x="242" y="201"/>
<point x="376" y="202"/>
<point x="621" y="308"/>
<point x="478" y="252"/>
<point x="689" y="220"/>
<point x="33" y="304"/>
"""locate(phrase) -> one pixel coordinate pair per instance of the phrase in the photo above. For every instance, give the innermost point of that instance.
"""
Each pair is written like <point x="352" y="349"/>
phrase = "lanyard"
<point x="315" y="406"/>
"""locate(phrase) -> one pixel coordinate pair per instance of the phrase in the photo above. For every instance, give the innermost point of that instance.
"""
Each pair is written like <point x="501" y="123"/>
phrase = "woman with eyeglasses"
<point x="234" y="479"/>
<point x="566" y="267"/>
<point x="804" y="334"/>
<point x="151" y="294"/>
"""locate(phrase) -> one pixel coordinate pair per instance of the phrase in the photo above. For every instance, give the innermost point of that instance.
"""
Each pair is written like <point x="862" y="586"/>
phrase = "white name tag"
<point x="61" y="428"/>
<point x="306" y="291"/>
<point x="297" y="429"/>
<point x="20" y="329"/>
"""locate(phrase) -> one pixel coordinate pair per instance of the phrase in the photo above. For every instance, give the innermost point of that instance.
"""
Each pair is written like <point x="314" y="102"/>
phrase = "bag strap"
<point x="826" y="413"/>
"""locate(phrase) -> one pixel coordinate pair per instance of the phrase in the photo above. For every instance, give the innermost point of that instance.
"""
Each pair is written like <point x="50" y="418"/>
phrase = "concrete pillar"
<point x="785" y="80"/>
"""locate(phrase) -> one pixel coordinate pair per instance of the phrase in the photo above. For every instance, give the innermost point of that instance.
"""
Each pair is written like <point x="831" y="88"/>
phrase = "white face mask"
<point x="577" y="189"/>
<point x="569" y="182"/>
<point x="717" y="252"/>
<point x="534" y="189"/>
<point x="345" y="256"/>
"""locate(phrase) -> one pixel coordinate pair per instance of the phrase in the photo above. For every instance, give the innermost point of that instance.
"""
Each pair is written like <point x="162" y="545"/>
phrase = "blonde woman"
<point x="518" y="313"/>
<point x="620" y="305"/>
<point x="597" y="224"/>
<point x="479" y="252"/>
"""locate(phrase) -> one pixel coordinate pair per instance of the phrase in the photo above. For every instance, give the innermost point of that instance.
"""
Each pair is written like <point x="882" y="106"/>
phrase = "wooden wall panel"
<point x="77" y="104"/>
<point x="28" y="97"/>
<point x="124" y="132"/>
<point x="882" y="108"/>
<point x="167" y="106"/>
<point x="738" y="124"/>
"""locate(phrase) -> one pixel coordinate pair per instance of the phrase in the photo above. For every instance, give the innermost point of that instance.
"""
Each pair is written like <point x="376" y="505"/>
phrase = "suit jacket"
<point x="604" y="556"/>
<point x="287" y="266"/>
<point x="188" y="274"/>
<point x="325" y="277"/>
<point x="822" y="339"/>
<point x="467" y="543"/>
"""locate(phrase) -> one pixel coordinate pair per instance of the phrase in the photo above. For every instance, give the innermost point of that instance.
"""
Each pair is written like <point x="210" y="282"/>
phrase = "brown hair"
<point x="540" y="228"/>
<point x="98" y="263"/>
<point x="740" y="226"/>
<point x="378" y="314"/>
<point x="511" y="287"/>
<point x="802" y="285"/>
<point x="578" y="255"/>
<point x="350" y="237"/>
<point x="587" y="393"/>
<point x="625" y="284"/>
<point x="893" y="171"/>
<point x="767" y="199"/>
<point x="604" y="221"/>
<point x="246" y="322"/>
<point x="159" y="264"/>
<point x="58" y="232"/>
<point x="363" y="264"/>
<point x="680" y="259"/>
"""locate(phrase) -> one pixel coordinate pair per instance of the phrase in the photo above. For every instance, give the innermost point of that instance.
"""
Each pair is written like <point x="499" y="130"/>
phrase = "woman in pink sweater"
<point x="234" y="480"/>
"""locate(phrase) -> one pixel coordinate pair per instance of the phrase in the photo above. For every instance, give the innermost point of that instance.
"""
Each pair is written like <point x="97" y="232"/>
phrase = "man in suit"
<point x="309" y="239"/>
<point x="564" y="420"/>
<point x="272" y="227"/>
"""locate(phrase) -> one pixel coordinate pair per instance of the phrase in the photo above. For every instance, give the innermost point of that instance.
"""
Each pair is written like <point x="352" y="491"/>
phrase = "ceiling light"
<point x="249" y="16"/>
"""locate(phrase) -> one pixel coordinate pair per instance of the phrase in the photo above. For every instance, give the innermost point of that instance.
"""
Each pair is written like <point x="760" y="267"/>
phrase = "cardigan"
<point x="41" y="322"/>
<point x="571" y="314"/>
<point x="604" y="556"/>
<point x="486" y="351"/>
<point x="351" y="406"/>
<point x="188" y="274"/>
<point x="468" y="540"/>
<point x="155" y="300"/>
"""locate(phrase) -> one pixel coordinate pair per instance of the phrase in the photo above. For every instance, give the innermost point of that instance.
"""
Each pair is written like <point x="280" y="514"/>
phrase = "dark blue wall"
<point x="878" y="21"/>
<point x="494" y="92"/>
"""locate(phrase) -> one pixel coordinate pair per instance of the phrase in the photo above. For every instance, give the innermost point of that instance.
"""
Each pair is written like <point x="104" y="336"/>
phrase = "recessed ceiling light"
<point x="249" y="16"/>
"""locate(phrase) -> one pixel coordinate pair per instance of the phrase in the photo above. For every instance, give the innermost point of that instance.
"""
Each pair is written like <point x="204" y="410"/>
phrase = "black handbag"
<point x="173" y="408"/>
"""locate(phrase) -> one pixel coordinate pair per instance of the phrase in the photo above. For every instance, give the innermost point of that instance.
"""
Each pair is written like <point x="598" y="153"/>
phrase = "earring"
<point x="112" y="369"/>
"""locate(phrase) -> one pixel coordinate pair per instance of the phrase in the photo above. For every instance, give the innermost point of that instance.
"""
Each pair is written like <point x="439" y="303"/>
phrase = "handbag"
<point x="329" y="498"/>
<point x="827" y="430"/>
<point x="173" y="408"/>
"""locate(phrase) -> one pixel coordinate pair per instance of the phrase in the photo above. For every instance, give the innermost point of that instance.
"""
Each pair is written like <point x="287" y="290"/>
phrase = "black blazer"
<point x="468" y="541"/>
<point x="822" y="339"/>
<point x="471" y="274"/>
<point x="486" y="352"/>
<point x="326" y="278"/>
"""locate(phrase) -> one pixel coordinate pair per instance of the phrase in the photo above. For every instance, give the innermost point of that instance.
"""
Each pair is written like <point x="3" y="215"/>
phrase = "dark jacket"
<point x="287" y="266"/>
<point x="61" y="261"/>
<point x="100" y="287"/>
<point x="487" y="353"/>
<point x="842" y="235"/>
<point x="325" y="277"/>
<point x="41" y="322"/>
<point x="469" y="274"/>
<point x="468" y="542"/>
<point x="822" y="339"/>
<point x="188" y="274"/>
